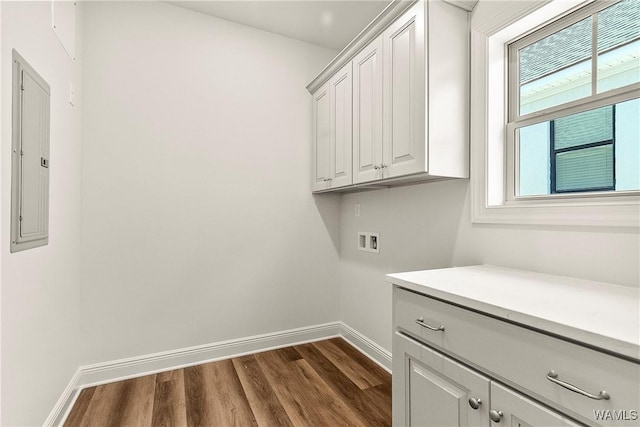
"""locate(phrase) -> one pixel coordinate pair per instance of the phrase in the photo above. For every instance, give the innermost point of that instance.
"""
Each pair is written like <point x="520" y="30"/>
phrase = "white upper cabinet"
<point x="409" y="98"/>
<point x="404" y="150"/>
<point x="367" y="113"/>
<point x="332" y="147"/>
<point x="321" y="138"/>
<point x="340" y="110"/>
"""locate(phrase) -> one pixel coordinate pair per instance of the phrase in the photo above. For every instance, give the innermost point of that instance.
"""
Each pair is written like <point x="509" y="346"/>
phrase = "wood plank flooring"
<point x="325" y="383"/>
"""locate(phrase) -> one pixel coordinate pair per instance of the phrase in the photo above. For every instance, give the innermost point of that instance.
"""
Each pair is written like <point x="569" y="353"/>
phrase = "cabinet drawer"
<point x="517" y="411"/>
<point x="522" y="358"/>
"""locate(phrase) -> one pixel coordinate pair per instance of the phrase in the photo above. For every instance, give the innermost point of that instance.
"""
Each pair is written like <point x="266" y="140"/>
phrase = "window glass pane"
<point x="585" y="169"/>
<point x="627" y="131"/>
<point x="534" y="172"/>
<point x="584" y="128"/>
<point x="619" y="45"/>
<point x="595" y="150"/>
<point x="556" y="69"/>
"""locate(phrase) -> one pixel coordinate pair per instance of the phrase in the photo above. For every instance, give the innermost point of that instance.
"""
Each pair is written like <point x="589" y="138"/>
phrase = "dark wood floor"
<point x="326" y="383"/>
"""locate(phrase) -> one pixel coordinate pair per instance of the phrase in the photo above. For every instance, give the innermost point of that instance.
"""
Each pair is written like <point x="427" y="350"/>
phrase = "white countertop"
<point x="598" y="314"/>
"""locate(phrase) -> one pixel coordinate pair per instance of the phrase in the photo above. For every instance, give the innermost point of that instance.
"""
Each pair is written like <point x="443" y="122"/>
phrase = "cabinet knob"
<point x="475" y="403"/>
<point x="376" y="167"/>
<point x="495" y="416"/>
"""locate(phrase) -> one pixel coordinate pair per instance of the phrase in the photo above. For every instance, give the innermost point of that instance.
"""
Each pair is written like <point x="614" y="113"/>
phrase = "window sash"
<point x="592" y="101"/>
<point x="511" y="182"/>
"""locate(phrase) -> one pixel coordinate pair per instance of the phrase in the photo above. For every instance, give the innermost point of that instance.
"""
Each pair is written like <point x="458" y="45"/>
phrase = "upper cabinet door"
<point x="367" y="113"/>
<point x="340" y="148"/>
<point x="321" y="139"/>
<point x="404" y="94"/>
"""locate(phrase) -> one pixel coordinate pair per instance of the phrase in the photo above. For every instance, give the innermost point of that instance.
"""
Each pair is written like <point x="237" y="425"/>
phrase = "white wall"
<point x="428" y="226"/>
<point x="417" y="226"/>
<point x="199" y="223"/>
<point x="40" y="287"/>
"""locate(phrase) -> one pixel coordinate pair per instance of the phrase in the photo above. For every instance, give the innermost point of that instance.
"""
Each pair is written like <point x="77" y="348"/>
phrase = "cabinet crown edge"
<point x="369" y="33"/>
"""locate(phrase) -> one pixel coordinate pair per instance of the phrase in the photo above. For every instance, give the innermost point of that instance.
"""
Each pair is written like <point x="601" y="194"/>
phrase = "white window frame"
<point x="493" y="26"/>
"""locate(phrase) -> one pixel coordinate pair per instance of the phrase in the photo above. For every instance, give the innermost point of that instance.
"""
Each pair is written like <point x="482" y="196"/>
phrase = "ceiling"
<point x="332" y="24"/>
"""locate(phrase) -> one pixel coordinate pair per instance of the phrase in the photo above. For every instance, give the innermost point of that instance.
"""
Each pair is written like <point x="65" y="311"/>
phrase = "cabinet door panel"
<point x="432" y="390"/>
<point x="519" y="411"/>
<point x="340" y="148"/>
<point x="433" y="400"/>
<point x="321" y="138"/>
<point x="404" y="82"/>
<point x="367" y="112"/>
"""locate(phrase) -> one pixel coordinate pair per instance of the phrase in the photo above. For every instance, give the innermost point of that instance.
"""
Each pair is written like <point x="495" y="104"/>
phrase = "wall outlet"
<point x="373" y="242"/>
<point x="368" y="242"/>
<point x="357" y="209"/>
<point x="362" y="241"/>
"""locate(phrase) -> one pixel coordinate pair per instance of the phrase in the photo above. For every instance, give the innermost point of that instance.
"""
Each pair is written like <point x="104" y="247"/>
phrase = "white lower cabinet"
<point x="434" y="390"/>
<point x="453" y="366"/>
<point x="512" y="409"/>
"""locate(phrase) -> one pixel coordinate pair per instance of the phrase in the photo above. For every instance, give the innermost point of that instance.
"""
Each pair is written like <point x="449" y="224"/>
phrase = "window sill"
<point x="584" y="212"/>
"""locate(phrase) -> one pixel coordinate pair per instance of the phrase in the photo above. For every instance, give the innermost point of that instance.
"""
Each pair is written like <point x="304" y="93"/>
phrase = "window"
<point x="564" y="76"/>
<point x="567" y="80"/>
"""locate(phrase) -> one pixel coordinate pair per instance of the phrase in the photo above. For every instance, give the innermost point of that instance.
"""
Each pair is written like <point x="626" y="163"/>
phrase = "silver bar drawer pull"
<point x="553" y="377"/>
<point x="420" y="321"/>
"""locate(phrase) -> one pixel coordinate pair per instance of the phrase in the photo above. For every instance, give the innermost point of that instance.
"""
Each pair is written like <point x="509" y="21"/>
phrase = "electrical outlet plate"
<point x="368" y="242"/>
<point x="362" y="241"/>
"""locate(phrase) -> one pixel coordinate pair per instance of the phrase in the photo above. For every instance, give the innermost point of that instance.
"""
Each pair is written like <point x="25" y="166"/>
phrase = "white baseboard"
<point x="66" y="401"/>
<point x="118" y="370"/>
<point x="370" y="349"/>
<point x="132" y="367"/>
